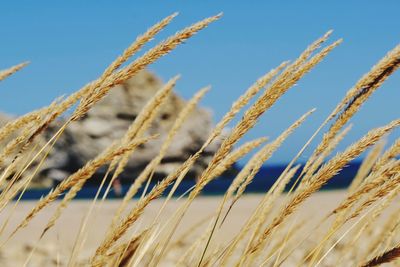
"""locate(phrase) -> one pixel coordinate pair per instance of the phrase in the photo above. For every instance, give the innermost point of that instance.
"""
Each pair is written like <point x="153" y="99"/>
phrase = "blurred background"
<point x="71" y="43"/>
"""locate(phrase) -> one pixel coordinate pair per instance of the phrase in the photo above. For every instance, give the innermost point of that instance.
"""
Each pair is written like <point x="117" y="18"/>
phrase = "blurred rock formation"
<point x="109" y="119"/>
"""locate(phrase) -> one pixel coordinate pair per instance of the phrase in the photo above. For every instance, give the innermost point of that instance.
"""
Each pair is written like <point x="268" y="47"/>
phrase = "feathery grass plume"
<point x="238" y="153"/>
<point x="389" y="154"/>
<point x="191" y="254"/>
<point x="266" y="203"/>
<point x="310" y="171"/>
<point x="384" y="238"/>
<point x="366" y="166"/>
<point x="256" y="217"/>
<point x="264" y="102"/>
<point x="96" y="90"/>
<point x="180" y="172"/>
<point x="141" y="123"/>
<point x="148" y="58"/>
<point x="8" y="72"/>
<point x="14" y="125"/>
<point x="82" y="174"/>
<point x="368" y="227"/>
<point x="16" y="166"/>
<point x="244" y="99"/>
<point x="28" y="124"/>
<point x="138" y="128"/>
<point x="155" y="193"/>
<point x="125" y="252"/>
<point x="280" y="86"/>
<point x="327" y="171"/>
<point x="272" y="198"/>
<point x="388" y="256"/>
<point x="118" y="231"/>
<point x="226" y="163"/>
<point x="253" y="166"/>
<point x="267" y="152"/>
<point x="89" y="93"/>
<point x="236" y="107"/>
<point x="292" y="74"/>
<point x="16" y="143"/>
<point x="230" y="159"/>
<point x="342" y="217"/>
<point x="376" y="179"/>
<point x="387" y="193"/>
<point x="182" y="116"/>
<point x="383" y="191"/>
<point x="245" y="177"/>
<point x="358" y="94"/>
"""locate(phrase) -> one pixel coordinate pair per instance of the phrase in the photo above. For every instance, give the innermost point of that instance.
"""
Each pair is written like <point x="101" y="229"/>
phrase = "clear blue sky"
<point x="69" y="43"/>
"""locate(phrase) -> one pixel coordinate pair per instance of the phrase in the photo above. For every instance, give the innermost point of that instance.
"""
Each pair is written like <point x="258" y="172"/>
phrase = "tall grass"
<point x="270" y="236"/>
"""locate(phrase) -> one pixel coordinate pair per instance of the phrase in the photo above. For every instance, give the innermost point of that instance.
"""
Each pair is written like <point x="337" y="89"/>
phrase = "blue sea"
<point x="261" y="183"/>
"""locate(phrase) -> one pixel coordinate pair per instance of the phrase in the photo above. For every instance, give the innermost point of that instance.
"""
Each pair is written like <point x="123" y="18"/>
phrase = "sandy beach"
<point x="58" y="242"/>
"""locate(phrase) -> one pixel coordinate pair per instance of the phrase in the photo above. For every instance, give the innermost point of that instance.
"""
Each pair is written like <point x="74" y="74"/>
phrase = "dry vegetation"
<point x="271" y="235"/>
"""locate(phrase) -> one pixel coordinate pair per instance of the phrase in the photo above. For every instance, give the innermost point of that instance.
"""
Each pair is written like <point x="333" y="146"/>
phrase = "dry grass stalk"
<point x="111" y="78"/>
<point x="14" y="125"/>
<point x="384" y="238"/>
<point x="258" y="218"/>
<point x="357" y="95"/>
<point x="366" y="166"/>
<point x="82" y="174"/>
<point x="245" y="177"/>
<point x="145" y="174"/>
<point x="323" y="175"/>
<point x="138" y="128"/>
<point x="310" y="171"/>
<point x="264" y="102"/>
<point x="269" y="199"/>
<point x="379" y="177"/>
<point x="236" y="107"/>
<point x="118" y="231"/>
<point x="268" y="151"/>
<point x="383" y="191"/>
<point x="192" y="254"/>
<point x="125" y="252"/>
<point x="95" y="91"/>
<point x="389" y="154"/>
<point x="142" y="122"/>
<point x="28" y="124"/>
<point x="343" y="210"/>
<point x="280" y="86"/>
<point x="8" y="72"/>
<point x="124" y="225"/>
<point x="238" y="153"/>
<point x="253" y="166"/>
<point x="149" y="57"/>
<point x="368" y="227"/>
<point x="388" y="256"/>
<point x="245" y="99"/>
<point x="242" y="101"/>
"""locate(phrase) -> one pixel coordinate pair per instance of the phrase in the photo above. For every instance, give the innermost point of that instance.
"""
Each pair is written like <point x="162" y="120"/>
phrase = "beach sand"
<point x="58" y="242"/>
